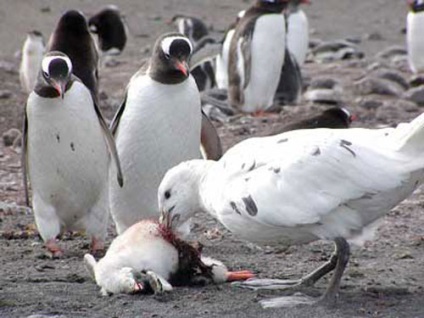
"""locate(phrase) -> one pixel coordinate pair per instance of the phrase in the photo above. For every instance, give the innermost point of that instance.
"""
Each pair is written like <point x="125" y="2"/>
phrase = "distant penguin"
<point x="414" y="36"/>
<point x="65" y="152"/>
<point x="256" y="56"/>
<point x="157" y="126"/>
<point x="72" y="36"/>
<point x="32" y="55"/>
<point x="221" y="68"/>
<point x="298" y="31"/>
<point x="108" y="24"/>
<point x="290" y="84"/>
<point x="192" y="27"/>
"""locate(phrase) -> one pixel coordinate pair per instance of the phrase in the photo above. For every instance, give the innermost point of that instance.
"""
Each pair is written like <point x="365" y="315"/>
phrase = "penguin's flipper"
<point x="110" y="142"/>
<point x="246" y="51"/>
<point x="115" y="121"/>
<point x="24" y="161"/>
<point x="210" y="142"/>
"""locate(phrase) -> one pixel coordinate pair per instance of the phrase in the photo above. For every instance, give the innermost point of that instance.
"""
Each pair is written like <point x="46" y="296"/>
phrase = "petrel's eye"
<point x="167" y="194"/>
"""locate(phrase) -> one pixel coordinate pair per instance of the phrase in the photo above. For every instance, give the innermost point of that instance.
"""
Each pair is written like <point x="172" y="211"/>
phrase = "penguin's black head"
<point x="56" y="70"/>
<point x="416" y="5"/>
<point x="170" y="58"/>
<point x="340" y="115"/>
<point x="73" y="21"/>
<point x="272" y="3"/>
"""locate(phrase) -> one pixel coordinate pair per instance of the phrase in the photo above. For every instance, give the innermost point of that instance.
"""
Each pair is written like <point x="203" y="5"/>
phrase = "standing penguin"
<point x="72" y="37"/>
<point x="256" y="56"/>
<point x="414" y="37"/>
<point x="65" y="150"/>
<point x="298" y="31"/>
<point x="156" y="127"/>
<point x="110" y="28"/>
<point x="32" y="54"/>
<point x="192" y="27"/>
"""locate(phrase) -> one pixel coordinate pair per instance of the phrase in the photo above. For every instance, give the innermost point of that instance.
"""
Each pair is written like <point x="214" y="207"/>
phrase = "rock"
<point x="323" y="82"/>
<point x="10" y="136"/>
<point x="314" y="43"/>
<point x="416" y="95"/>
<point x="393" y="76"/>
<point x="372" y="85"/>
<point x="8" y="67"/>
<point x="370" y="103"/>
<point x="392" y="51"/>
<point x="336" y="50"/>
<point x="388" y="110"/>
<point x="416" y="80"/>
<point x="323" y="95"/>
<point x="406" y="105"/>
<point x="374" y="36"/>
<point x="5" y="94"/>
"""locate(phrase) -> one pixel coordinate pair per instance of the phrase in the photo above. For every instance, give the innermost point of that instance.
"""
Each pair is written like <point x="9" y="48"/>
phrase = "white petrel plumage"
<point x="32" y="55"/>
<point x="156" y="127"/>
<point x="414" y="36"/>
<point x="65" y="148"/>
<point x="302" y="186"/>
<point x="148" y="256"/>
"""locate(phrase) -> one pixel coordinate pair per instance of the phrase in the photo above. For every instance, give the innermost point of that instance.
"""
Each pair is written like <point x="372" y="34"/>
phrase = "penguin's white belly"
<point x="67" y="153"/>
<point x="160" y="127"/>
<point x="32" y="55"/>
<point x="415" y="41"/>
<point x="221" y="73"/>
<point x="267" y="57"/>
<point x="298" y="36"/>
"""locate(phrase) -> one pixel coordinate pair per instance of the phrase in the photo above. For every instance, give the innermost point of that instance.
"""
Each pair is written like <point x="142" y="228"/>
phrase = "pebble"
<point x="323" y="82"/>
<point x="8" y="67"/>
<point x="323" y="95"/>
<point x="416" y="80"/>
<point x="393" y="76"/>
<point x="373" y="85"/>
<point x="416" y="95"/>
<point x="10" y="136"/>
<point x="374" y="36"/>
<point x="406" y="105"/>
<point x="5" y="94"/>
<point x="391" y="52"/>
<point x="370" y="103"/>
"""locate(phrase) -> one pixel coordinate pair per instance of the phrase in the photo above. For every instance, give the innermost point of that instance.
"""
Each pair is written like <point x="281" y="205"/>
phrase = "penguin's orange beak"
<point x="60" y="87"/>
<point x="239" y="276"/>
<point x="182" y="66"/>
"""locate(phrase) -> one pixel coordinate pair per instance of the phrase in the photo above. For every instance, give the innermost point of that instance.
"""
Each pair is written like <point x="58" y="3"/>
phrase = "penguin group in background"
<point x="192" y="27"/>
<point x="65" y="152"/>
<point x="32" y="54"/>
<point x="108" y="24"/>
<point x="415" y="39"/>
<point x="298" y="31"/>
<point x="221" y="69"/>
<point x="256" y="57"/>
<point x="72" y="37"/>
<point x="157" y="126"/>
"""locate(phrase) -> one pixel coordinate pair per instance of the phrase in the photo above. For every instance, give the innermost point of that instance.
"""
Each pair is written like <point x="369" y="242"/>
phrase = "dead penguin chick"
<point x="148" y="256"/>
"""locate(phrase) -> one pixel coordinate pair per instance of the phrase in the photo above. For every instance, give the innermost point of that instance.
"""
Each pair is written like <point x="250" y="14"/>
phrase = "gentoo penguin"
<point x="65" y="144"/>
<point x="414" y="36"/>
<point x="297" y="31"/>
<point x="149" y="257"/>
<point x="32" y="54"/>
<point x="221" y="64"/>
<point x="72" y="37"/>
<point x="110" y="28"/>
<point x="334" y="185"/>
<point x="156" y="127"/>
<point x="335" y="117"/>
<point x="202" y="64"/>
<point x="256" y="56"/>
<point x="192" y="27"/>
<point x="290" y="84"/>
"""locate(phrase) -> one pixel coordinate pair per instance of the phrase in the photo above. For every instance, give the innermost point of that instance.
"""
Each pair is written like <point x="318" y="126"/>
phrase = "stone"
<point x="10" y="136"/>
<point x="391" y="51"/>
<point x="380" y="86"/>
<point x="5" y="94"/>
<point x="323" y="95"/>
<point x="416" y="95"/>
<point x="416" y="80"/>
<point x="323" y="82"/>
<point x="370" y="103"/>
<point x="393" y="76"/>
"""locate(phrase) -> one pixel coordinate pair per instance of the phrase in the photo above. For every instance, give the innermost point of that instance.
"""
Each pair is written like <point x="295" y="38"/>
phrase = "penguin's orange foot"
<point x="53" y="250"/>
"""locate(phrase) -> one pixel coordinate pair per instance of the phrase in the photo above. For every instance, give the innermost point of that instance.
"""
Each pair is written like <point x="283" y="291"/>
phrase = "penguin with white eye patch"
<point x="65" y="152"/>
<point x="157" y="126"/>
<point x="414" y="36"/>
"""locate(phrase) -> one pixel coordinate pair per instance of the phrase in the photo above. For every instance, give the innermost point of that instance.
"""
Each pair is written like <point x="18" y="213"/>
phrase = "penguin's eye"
<point x="46" y="75"/>
<point x="167" y="56"/>
<point x="167" y="194"/>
